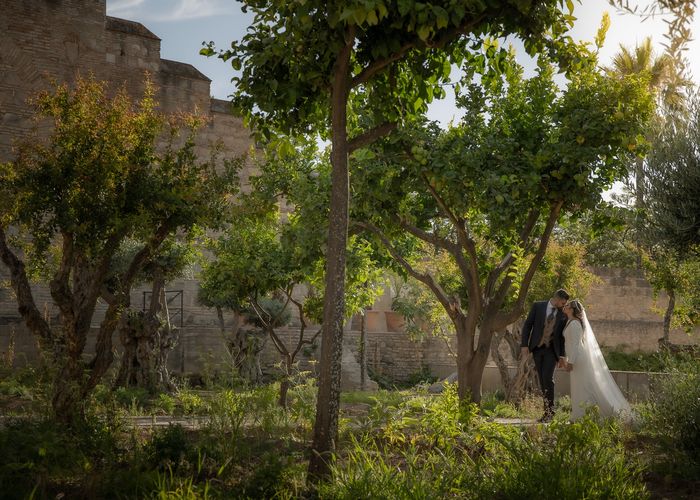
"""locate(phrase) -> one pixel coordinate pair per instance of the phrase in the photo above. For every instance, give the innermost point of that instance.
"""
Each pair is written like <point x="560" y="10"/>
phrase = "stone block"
<point x="375" y="321"/>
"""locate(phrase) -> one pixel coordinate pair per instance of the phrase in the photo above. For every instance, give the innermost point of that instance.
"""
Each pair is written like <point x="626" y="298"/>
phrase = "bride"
<point x="591" y="381"/>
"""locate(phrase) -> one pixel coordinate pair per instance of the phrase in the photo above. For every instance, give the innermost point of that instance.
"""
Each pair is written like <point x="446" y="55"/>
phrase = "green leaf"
<point x="443" y="18"/>
<point x="417" y="104"/>
<point x="372" y="18"/>
<point x="570" y="6"/>
<point x="423" y="32"/>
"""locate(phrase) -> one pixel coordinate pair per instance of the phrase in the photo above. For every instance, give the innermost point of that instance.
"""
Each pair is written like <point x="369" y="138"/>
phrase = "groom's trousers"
<point x="545" y="363"/>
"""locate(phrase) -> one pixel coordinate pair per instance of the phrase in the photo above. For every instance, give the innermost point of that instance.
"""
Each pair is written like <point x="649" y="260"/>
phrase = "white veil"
<point x="608" y="396"/>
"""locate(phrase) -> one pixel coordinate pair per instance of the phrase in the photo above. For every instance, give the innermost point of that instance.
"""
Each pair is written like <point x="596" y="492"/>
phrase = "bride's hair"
<point x="577" y="308"/>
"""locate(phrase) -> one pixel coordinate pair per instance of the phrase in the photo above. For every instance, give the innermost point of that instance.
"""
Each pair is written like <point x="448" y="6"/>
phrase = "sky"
<point x="183" y="25"/>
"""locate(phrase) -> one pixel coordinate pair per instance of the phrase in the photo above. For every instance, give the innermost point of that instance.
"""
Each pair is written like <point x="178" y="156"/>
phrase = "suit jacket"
<point x="534" y="327"/>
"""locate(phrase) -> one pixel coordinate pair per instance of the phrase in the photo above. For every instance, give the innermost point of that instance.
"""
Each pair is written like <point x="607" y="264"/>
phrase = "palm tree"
<point x="667" y="83"/>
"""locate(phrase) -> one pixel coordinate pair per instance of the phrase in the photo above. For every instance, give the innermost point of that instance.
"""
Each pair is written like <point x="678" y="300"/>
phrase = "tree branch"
<point x="141" y="258"/>
<point x="454" y="249"/>
<point x="279" y="345"/>
<point x="504" y="319"/>
<point x="431" y="238"/>
<point x="450" y="306"/>
<point x="380" y="64"/>
<point x="505" y="263"/>
<point x="371" y="135"/>
<point x="25" y="300"/>
<point x="469" y="269"/>
<point x="58" y="286"/>
<point x="302" y="321"/>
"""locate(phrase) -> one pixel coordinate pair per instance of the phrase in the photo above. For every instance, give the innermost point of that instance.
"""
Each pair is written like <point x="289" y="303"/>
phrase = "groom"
<point x="542" y="336"/>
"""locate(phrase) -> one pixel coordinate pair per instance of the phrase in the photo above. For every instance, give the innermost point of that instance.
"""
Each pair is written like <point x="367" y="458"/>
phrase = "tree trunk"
<point x="500" y="361"/>
<point x="140" y="335"/>
<point x="165" y="341"/>
<point x="477" y="363"/>
<point x="285" y="382"/>
<point x="471" y="362"/>
<point x="668" y="315"/>
<point x="525" y="378"/>
<point x="363" y="351"/>
<point x="67" y="394"/>
<point x="466" y="329"/>
<point x="328" y="405"/>
<point x="639" y="205"/>
<point x="245" y="349"/>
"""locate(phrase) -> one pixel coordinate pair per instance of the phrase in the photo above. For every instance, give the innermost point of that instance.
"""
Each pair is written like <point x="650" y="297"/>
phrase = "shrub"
<point x="190" y="403"/>
<point x="421" y="377"/>
<point x="165" y="403"/>
<point x="266" y="479"/>
<point x="584" y="459"/>
<point x="169" y="447"/>
<point x="42" y="459"/>
<point x="493" y="405"/>
<point x="673" y="413"/>
<point x="132" y="398"/>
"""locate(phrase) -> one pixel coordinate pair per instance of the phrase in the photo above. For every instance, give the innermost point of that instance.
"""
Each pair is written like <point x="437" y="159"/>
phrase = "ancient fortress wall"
<point x="619" y="308"/>
<point x="41" y="40"/>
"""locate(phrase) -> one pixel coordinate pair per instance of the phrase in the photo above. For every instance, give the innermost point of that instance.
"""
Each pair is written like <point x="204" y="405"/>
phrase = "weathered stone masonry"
<point x="42" y="40"/>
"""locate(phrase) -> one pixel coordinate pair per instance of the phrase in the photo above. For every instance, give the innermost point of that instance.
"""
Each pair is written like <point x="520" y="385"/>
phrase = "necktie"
<point x="548" y="328"/>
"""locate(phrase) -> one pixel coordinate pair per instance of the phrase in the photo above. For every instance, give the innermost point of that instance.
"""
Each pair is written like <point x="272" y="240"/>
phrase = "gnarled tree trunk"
<point x="668" y="314"/>
<point x="243" y="347"/>
<point x="147" y="338"/>
<point x="525" y="378"/>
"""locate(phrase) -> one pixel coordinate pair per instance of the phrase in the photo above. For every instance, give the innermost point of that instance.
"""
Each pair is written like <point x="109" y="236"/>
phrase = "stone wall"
<point x="44" y="40"/>
<point x="619" y="308"/>
<point x="623" y="312"/>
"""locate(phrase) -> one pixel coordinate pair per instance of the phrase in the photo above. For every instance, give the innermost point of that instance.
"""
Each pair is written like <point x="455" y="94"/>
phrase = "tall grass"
<point x="585" y="459"/>
<point x="438" y="448"/>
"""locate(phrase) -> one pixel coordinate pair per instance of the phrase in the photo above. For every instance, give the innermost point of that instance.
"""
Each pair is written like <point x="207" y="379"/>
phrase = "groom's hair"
<point x="561" y="294"/>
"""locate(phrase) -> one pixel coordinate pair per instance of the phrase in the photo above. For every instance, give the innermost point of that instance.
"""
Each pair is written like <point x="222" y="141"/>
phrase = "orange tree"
<point x="489" y="191"/>
<point x="352" y="71"/>
<point x="270" y="253"/>
<point x="70" y="199"/>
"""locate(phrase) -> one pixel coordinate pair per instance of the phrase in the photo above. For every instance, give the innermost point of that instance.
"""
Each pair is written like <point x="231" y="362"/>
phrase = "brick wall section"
<point x="619" y="308"/>
<point x="42" y="40"/>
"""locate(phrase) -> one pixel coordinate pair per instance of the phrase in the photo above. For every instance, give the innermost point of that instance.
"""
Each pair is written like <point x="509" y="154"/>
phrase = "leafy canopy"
<point x="100" y="176"/>
<point x="522" y="147"/>
<point x="273" y="246"/>
<point x="401" y="54"/>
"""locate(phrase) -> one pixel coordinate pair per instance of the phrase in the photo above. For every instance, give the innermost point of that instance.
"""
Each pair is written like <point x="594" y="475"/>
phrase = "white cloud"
<point x="168" y="10"/>
<point x="123" y="7"/>
<point x="190" y="9"/>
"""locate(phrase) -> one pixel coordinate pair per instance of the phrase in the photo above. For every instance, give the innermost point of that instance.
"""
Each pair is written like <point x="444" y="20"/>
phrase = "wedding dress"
<point x="591" y="380"/>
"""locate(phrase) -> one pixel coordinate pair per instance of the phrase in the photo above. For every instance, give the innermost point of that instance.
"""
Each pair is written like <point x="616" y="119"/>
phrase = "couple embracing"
<point x="558" y="334"/>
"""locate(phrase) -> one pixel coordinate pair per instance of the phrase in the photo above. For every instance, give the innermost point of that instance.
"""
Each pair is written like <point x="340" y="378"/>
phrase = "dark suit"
<point x="546" y="357"/>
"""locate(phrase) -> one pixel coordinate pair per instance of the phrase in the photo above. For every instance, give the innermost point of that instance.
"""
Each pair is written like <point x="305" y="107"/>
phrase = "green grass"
<point x="403" y="444"/>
